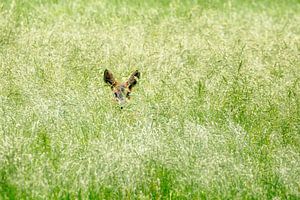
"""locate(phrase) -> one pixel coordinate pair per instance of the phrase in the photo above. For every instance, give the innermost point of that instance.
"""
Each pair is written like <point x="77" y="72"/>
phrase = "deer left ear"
<point x="133" y="79"/>
<point x="109" y="78"/>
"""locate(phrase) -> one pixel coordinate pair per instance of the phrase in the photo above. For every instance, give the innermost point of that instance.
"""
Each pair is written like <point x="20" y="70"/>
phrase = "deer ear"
<point x="132" y="81"/>
<point x="109" y="78"/>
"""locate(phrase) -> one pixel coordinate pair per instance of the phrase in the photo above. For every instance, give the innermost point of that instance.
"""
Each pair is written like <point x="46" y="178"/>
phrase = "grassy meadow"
<point x="215" y="115"/>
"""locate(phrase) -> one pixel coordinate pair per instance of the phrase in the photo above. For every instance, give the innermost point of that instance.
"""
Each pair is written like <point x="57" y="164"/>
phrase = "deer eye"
<point x="116" y="95"/>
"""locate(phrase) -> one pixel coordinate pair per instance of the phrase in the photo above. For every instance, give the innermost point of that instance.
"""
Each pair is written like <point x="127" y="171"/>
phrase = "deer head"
<point x="121" y="91"/>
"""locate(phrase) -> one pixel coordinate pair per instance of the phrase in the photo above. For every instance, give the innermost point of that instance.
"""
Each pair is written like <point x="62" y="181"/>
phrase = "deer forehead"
<point x="121" y="87"/>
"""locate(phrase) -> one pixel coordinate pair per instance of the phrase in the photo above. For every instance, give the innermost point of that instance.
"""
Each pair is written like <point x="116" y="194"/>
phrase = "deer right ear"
<point x="132" y="81"/>
<point x="109" y="78"/>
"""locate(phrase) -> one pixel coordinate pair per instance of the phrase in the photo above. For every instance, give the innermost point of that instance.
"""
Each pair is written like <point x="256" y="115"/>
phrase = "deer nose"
<point x="122" y="103"/>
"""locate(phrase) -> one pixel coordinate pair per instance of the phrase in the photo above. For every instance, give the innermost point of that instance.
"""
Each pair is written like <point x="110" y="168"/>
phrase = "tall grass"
<point x="215" y="115"/>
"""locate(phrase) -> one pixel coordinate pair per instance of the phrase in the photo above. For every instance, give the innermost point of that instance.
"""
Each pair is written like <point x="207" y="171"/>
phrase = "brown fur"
<point x="121" y="90"/>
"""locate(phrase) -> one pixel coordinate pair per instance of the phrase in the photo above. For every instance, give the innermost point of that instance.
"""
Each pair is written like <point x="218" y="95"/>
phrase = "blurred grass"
<point x="215" y="115"/>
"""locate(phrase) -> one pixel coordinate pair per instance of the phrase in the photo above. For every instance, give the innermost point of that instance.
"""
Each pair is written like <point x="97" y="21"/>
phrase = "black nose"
<point x="121" y="107"/>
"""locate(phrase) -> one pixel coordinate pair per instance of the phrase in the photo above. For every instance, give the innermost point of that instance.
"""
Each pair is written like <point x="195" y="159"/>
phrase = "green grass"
<point x="216" y="114"/>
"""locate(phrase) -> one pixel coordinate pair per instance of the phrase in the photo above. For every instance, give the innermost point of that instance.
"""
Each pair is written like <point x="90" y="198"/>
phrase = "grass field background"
<point x="216" y="114"/>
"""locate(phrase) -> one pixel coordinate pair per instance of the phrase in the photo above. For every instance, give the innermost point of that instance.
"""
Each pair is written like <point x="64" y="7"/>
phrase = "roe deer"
<point x="121" y="90"/>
